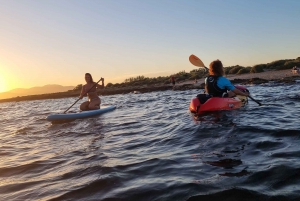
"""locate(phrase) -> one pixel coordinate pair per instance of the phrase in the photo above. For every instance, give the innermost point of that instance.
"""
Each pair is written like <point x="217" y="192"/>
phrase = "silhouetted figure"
<point x="173" y="81"/>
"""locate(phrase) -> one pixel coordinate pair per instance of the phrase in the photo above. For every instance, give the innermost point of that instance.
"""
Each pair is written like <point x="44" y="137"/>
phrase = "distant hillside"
<point x="200" y="73"/>
<point x="51" y="88"/>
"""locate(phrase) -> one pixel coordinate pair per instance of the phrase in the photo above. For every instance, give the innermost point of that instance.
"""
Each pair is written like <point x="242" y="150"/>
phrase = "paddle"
<point x="197" y="62"/>
<point x="86" y="92"/>
<point x="255" y="101"/>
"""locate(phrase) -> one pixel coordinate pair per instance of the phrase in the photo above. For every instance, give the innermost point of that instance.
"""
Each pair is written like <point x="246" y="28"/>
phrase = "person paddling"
<point x="218" y="86"/>
<point x="91" y="87"/>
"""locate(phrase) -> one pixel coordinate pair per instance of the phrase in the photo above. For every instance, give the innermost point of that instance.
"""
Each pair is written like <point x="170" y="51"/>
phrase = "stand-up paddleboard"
<point x="80" y="115"/>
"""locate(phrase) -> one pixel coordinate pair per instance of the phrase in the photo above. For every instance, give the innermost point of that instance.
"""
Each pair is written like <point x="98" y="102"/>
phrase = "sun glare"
<point x="2" y="85"/>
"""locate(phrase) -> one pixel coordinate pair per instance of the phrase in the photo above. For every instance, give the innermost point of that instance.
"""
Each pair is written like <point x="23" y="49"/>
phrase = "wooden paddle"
<point x="197" y="62"/>
<point x="86" y="92"/>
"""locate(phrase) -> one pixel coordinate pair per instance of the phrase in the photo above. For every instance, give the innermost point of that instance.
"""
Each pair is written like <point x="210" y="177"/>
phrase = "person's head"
<point x="88" y="78"/>
<point x="216" y="68"/>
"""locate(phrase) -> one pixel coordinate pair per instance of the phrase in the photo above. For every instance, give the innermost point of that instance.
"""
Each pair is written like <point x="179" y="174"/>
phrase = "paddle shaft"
<point x="86" y="92"/>
<point x="255" y="101"/>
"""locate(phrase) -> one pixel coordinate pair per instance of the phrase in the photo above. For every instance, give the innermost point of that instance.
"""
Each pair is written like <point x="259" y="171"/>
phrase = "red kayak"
<point x="203" y="103"/>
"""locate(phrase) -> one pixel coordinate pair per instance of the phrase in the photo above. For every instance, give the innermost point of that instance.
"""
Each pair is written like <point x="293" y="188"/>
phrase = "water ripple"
<point x="151" y="148"/>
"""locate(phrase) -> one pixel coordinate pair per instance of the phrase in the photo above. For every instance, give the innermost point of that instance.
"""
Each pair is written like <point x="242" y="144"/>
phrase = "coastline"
<point x="283" y="76"/>
<point x="278" y="75"/>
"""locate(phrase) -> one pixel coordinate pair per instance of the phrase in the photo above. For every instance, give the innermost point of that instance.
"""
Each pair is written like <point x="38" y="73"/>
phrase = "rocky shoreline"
<point x="282" y="76"/>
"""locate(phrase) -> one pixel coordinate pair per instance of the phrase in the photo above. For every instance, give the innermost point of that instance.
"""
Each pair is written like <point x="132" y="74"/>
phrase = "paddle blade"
<point x="196" y="61"/>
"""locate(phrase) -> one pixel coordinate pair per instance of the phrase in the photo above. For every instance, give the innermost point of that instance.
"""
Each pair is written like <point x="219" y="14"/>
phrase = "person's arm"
<point x="229" y="86"/>
<point x="82" y="93"/>
<point x="239" y="92"/>
<point x="205" y="86"/>
<point x="102" y="85"/>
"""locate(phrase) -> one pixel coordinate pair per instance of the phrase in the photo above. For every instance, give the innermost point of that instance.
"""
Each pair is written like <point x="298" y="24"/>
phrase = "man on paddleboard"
<point x="90" y="88"/>
<point x="218" y="86"/>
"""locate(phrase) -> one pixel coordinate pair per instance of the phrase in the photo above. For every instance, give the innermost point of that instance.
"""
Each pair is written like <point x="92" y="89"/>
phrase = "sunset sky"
<point x="55" y="42"/>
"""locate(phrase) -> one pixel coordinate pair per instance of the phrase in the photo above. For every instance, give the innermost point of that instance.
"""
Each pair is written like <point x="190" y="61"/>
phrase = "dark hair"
<point x="90" y="76"/>
<point x="216" y="68"/>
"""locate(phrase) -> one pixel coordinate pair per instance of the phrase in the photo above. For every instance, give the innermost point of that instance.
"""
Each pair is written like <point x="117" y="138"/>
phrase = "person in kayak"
<point x="90" y="88"/>
<point x="218" y="86"/>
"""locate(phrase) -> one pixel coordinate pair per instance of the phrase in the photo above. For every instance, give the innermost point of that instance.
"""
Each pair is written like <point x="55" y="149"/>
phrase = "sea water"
<point x="151" y="148"/>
